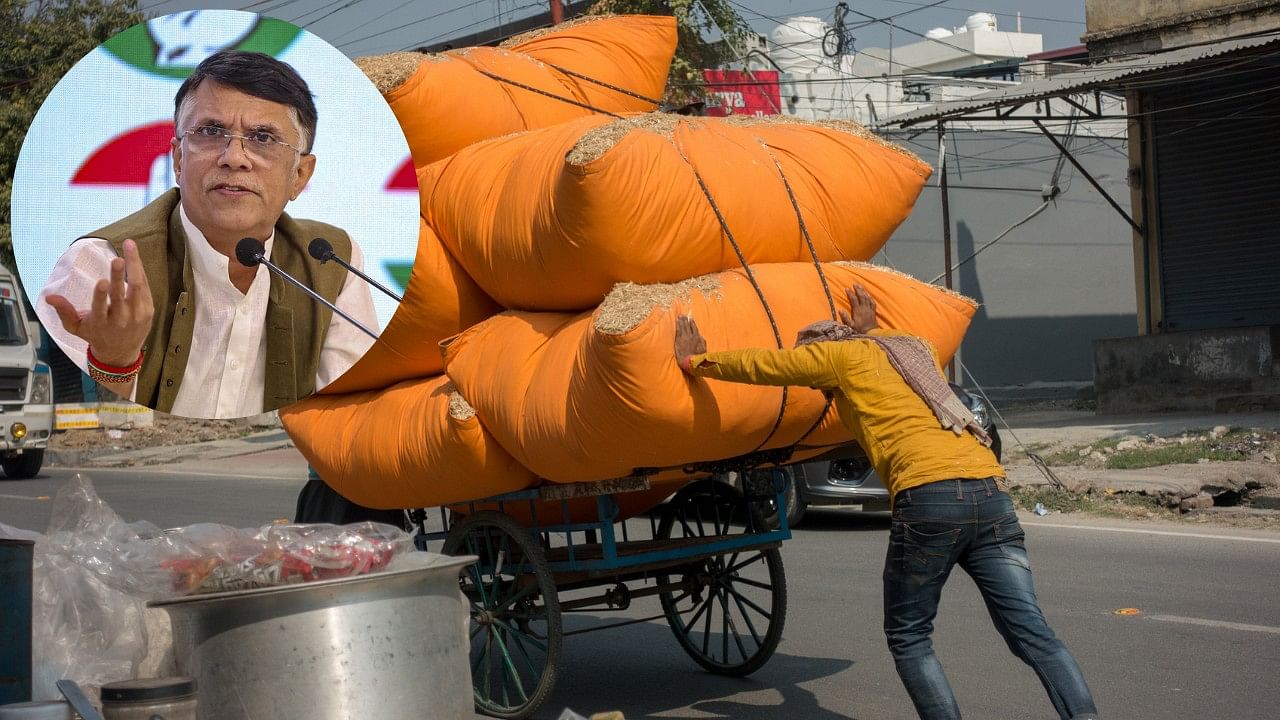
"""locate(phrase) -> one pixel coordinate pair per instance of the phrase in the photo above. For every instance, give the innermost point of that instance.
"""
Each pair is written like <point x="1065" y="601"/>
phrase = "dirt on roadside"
<point x="164" y="431"/>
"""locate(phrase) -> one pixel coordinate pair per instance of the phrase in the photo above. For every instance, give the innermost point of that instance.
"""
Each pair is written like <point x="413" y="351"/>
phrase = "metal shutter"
<point x="1217" y="175"/>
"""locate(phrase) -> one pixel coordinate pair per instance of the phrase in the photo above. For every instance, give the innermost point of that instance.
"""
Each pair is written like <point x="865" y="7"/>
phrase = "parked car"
<point x="843" y="476"/>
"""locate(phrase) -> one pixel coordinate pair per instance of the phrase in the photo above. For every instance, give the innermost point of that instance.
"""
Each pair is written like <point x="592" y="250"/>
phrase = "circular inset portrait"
<point x="212" y="212"/>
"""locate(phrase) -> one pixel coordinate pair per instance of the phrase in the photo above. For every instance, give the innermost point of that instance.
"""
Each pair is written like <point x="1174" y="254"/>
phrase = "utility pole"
<point x="557" y="12"/>
<point x="946" y="225"/>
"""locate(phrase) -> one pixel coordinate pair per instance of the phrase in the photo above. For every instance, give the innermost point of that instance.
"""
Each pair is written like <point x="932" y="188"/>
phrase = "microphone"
<point x="251" y="252"/>
<point x="321" y="250"/>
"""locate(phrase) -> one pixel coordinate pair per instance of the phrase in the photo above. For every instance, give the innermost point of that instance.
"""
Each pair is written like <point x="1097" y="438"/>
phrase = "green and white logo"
<point x="171" y="46"/>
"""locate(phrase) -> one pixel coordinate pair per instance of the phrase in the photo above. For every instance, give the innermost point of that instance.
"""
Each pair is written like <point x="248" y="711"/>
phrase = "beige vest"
<point x="296" y="324"/>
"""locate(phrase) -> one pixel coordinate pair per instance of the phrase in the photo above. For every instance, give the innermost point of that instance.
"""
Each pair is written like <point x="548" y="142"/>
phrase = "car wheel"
<point x="796" y="505"/>
<point x="758" y="486"/>
<point x="24" y="466"/>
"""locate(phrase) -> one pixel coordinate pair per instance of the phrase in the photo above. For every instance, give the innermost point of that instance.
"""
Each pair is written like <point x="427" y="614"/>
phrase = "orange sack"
<point x="448" y="101"/>
<point x="552" y="219"/>
<point x="440" y="300"/>
<point x="594" y="396"/>
<point x="414" y="444"/>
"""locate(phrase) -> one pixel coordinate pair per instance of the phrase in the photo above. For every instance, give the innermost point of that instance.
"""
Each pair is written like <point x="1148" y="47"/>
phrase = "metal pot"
<point x="384" y="645"/>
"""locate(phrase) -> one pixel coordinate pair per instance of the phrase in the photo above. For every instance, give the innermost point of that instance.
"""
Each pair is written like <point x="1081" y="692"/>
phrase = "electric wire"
<point x="297" y="20"/>
<point x="1001" y="14"/>
<point x="1036" y="460"/>
<point x="411" y="24"/>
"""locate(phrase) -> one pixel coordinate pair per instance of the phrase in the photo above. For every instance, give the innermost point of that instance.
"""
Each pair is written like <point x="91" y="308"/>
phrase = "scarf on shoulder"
<point x="911" y="358"/>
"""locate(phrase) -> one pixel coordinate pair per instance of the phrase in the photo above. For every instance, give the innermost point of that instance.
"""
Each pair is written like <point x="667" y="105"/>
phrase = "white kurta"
<point x="226" y="365"/>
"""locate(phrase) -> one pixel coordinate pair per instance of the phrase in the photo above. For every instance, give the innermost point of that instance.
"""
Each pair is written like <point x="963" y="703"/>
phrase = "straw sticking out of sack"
<point x="596" y="142"/>
<point x="848" y="127"/>
<point x="390" y="71"/>
<point x="566" y="25"/>
<point x="628" y="304"/>
<point x="459" y="408"/>
<point x="890" y="271"/>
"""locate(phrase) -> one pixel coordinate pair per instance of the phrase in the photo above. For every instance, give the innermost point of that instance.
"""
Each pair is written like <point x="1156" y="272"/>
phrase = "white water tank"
<point x="938" y="33"/>
<point x="982" y="21"/>
<point x="796" y="46"/>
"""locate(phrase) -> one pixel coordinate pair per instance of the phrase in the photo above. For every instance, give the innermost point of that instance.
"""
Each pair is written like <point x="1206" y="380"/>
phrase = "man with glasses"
<point x="155" y="306"/>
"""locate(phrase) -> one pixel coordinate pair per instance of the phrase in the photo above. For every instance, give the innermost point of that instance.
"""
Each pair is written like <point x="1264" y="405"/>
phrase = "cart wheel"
<point x="515" y="614"/>
<point x="728" y="614"/>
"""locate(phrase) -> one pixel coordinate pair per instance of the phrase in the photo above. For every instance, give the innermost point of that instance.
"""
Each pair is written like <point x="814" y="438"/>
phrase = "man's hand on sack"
<point x="689" y="342"/>
<point x="863" y="317"/>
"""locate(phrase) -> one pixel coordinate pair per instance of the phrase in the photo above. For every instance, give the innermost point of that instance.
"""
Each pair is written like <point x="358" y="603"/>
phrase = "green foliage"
<point x="1172" y="455"/>
<point x="710" y="34"/>
<point x="39" y="42"/>
<point x="1064" y="501"/>
<point x="1238" y="444"/>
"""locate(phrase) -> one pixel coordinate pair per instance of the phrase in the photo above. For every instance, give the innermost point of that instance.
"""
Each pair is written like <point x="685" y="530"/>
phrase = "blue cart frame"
<point x="711" y="555"/>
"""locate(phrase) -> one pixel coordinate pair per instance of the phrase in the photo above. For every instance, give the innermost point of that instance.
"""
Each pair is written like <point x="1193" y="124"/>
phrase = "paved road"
<point x="244" y="491"/>
<point x="1206" y="644"/>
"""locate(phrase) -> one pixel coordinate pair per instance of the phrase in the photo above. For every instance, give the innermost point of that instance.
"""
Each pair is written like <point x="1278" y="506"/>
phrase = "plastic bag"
<point x="93" y="573"/>
<point x="84" y="627"/>
<point x="217" y="558"/>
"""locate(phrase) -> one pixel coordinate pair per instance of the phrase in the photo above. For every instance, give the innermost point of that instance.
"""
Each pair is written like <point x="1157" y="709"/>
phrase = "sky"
<point x="372" y="27"/>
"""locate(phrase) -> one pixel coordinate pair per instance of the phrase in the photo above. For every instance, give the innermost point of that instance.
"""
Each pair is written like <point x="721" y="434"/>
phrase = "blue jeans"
<point x="971" y="523"/>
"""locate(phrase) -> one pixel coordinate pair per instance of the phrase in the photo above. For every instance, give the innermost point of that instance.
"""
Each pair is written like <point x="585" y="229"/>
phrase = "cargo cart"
<point x="708" y="553"/>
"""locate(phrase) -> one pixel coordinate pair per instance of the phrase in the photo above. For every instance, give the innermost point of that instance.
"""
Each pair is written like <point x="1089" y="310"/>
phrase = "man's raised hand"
<point x="119" y="320"/>
<point x="863" y="319"/>
<point x="689" y="342"/>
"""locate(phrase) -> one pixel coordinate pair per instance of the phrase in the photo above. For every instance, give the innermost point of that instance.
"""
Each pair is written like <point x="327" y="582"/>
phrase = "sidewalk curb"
<point x="210" y="450"/>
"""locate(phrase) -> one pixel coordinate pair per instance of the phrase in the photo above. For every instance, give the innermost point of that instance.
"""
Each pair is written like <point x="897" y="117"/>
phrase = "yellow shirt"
<point x="902" y="437"/>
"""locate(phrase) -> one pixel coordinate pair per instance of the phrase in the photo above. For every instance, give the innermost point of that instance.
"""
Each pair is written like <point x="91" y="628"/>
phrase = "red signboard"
<point x="742" y="92"/>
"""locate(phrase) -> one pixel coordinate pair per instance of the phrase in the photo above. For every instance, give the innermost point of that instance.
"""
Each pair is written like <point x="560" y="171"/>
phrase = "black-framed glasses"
<point x="258" y="143"/>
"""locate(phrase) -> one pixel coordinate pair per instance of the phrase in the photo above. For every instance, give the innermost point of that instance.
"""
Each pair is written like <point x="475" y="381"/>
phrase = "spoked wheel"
<point x="729" y="612"/>
<point x="515" y="615"/>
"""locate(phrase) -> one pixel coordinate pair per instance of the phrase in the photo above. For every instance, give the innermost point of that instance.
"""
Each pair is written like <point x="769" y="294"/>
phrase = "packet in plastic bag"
<point x="217" y="558"/>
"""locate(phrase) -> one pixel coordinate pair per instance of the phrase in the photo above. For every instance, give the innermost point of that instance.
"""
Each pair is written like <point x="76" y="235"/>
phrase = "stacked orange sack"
<point x="580" y="397"/>
<point x="414" y="444"/>
<point x="426" y="92"/>
<point x="440" y="300"/>
<point x="552" y="219"/>
<point x="448" y="101"/>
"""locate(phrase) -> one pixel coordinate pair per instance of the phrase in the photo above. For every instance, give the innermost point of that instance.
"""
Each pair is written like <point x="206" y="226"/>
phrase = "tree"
<point x="694" y="52"/>
<point x="40" y="41"/>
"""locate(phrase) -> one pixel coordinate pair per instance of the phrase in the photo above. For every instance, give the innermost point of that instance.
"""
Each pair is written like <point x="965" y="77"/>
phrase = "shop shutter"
<point x="1217" y="175"/>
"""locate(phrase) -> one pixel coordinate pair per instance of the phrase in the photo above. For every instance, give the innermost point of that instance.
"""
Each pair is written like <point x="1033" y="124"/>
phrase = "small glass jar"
<point x="169" y="698"/>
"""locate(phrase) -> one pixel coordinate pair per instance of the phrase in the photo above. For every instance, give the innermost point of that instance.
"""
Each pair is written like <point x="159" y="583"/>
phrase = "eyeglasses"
<point x="258" y="143"/>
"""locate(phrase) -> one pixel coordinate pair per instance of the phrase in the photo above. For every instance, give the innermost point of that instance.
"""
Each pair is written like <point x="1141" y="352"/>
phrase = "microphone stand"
<point x="321" y="250"/>
<point x="255" y="257"/>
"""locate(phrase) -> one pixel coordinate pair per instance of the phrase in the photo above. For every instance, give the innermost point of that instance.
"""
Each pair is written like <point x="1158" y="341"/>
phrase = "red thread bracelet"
<point x="127" y="371"/>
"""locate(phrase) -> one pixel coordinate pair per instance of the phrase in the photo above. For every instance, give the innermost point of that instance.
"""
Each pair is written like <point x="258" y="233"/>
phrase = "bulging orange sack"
<point x="448" y="101"/>
<point x="415" y="444"/>
<point x="596" y="395"/>
<point x="554" y="218"/>
<point x="439" y="301"/>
